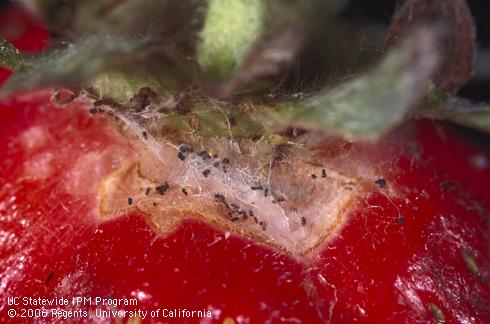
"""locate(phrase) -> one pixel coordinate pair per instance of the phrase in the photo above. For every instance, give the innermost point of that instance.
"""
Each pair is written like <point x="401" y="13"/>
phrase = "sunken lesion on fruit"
<point x="290" y="201"/>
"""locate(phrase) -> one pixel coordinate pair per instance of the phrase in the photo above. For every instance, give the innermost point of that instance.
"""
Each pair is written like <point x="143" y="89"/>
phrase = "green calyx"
<point x="212" y="119"/>
<point x="369" y="105"/>
<point x="9" y="55"/>
<point x="230" y="28"/>
<point x="224" y="55"/>
<point x="73" y="64"/>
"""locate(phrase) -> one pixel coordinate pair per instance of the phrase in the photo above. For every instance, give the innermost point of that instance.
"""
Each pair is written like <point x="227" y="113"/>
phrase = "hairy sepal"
<point x="458" y="45"/>
<point x="74" y="63"/>
<point x="370" y="105"/>
<point x="9" y="55"/>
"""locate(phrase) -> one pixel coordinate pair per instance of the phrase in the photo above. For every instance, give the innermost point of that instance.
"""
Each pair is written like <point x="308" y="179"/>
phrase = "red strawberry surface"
<point x="410" y="258"/>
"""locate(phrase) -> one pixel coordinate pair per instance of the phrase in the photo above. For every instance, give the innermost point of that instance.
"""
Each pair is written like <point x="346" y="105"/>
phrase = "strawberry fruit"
<point x="124" y="197"/>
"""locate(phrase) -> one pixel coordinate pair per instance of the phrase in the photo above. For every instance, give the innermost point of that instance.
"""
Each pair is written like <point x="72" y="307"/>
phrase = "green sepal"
<point x="9" y="55"/>
<point x="230" y="29"/>
<point x="73" y="64"/>
<point x="459" y="111"/>
<point x="371" y="104"/>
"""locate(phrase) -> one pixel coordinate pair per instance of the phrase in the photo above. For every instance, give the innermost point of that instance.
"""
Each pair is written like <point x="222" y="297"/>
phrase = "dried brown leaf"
<point x="457" y="45"/>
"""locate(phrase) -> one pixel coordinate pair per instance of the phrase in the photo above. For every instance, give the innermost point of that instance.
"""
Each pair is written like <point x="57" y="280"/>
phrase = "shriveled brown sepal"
<point x="457" y="45"/>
